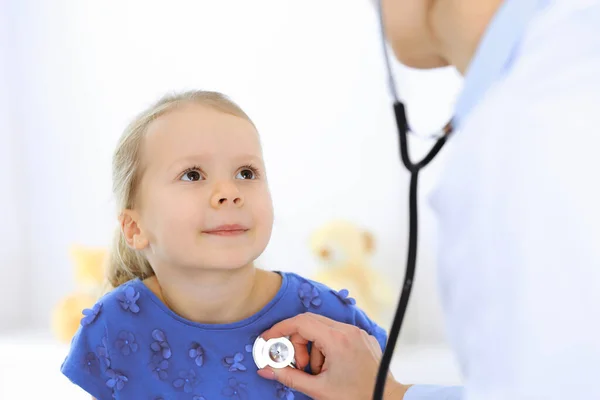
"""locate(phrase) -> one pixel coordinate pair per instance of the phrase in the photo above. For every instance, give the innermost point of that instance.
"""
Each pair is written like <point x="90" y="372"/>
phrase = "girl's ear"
<point x="132" y="232"/>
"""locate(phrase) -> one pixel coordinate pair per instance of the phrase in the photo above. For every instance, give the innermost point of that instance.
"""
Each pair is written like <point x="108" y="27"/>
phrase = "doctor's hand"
<point x="344" y="360"/>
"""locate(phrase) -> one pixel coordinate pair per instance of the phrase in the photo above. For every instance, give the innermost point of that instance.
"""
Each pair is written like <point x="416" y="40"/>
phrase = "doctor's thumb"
<point x="292" y="378"/>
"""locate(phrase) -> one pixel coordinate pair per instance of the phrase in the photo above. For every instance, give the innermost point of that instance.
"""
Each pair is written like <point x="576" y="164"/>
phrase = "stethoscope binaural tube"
<point x="414" y="169"/>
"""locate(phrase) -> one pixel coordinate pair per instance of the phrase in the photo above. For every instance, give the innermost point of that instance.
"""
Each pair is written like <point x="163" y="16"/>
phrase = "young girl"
<point x="187" y="302"/>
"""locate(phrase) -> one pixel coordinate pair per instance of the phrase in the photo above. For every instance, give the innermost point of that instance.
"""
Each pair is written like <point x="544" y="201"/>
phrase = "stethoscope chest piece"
<point x="275" y="353"/>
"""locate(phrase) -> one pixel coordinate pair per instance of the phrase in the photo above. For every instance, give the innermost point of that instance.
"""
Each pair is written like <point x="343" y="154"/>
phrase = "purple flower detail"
<point x="343" y="296"/>
<point x="116" y="380"/>
<point x="126" y="343"/>
<point x="284" y="392"/>
<point x="309" y="295"/>
<point x="251" y="344"/>
<point x="128" y="297"/>
<point x="159" y="367"/>
<point x="234" y="363"/>
<point x="102" y="352"/>
<point x="160" y="345"/>
<point x="187" y="380"/>
<point x="235" y="389"/>
<point x="196" y="353"/>
<point x="91" y="364"/>
<point x="198" y="398"/>
<point x="90" y="315"/>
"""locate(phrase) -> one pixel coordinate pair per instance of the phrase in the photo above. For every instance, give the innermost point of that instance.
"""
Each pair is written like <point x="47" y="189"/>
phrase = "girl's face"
<point x="203" y="200"/>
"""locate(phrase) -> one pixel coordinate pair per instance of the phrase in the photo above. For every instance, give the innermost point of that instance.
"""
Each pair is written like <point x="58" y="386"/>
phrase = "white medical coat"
<point x="518" y="209"/>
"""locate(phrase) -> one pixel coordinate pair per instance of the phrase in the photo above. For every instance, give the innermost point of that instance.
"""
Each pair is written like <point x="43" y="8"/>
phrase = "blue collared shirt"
<point x="517" y="209"/>
<point x="496" y="52"/>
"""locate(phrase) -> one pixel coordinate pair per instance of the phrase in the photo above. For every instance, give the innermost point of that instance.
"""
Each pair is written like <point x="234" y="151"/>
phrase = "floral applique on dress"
<point x="343" y="296"/>
<point x="234" y="363"/>
<point x="196" y="353"/>
<point x="235" y="390"/>
<point x="90" y="314"/>
<point x="125" y="343"/>
<point x="128" y="298"/>
<point x="309" y="295"/>
<point x="187" y="381"/>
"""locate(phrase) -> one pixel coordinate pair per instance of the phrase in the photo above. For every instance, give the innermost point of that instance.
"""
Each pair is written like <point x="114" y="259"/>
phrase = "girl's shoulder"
<point x="121" y="303"/>
<point x="126" y="305"/>
<point x="315" y="295"/>
<point x="318" y="298"/>
<point x="309" y="290"/>
<point x="112" y="333"/>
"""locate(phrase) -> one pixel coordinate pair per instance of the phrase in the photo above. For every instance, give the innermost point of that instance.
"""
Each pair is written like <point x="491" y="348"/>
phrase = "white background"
<point x="309" y="73"/>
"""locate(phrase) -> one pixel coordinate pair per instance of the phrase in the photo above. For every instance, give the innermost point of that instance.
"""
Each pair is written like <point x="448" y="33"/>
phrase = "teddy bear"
<point x="343" y="250"/>
<point x="89" y="263"/>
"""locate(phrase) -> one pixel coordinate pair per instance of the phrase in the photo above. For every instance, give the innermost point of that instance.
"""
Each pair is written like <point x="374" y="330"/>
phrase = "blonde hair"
<point x="125" y="263"/>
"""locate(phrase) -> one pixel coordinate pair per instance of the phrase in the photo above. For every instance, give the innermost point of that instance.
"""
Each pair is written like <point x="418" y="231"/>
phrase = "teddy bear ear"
<point x="369" y="241"/>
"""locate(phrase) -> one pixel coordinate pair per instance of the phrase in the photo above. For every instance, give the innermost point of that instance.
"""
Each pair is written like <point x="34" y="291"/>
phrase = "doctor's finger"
<point x="301" y="350"/>
<point x="317" y="359"/>
<point x="325" y="320"/>
<point x="375" y="346"/>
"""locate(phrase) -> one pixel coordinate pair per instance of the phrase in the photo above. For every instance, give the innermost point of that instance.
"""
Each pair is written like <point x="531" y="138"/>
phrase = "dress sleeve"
<point x="362" y="321"/>
<point x="88" y="360"/>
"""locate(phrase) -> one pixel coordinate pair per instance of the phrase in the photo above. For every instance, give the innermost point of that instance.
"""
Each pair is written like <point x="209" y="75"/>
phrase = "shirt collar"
<point x="495" y="52"/>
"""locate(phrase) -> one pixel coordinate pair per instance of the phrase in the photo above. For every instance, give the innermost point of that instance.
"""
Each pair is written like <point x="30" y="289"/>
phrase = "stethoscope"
<point x="279" y="352"/>
<point x="414" y="169"/>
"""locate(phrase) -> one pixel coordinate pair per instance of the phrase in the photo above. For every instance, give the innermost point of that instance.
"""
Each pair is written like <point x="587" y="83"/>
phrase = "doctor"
<point x="518" y="207"/>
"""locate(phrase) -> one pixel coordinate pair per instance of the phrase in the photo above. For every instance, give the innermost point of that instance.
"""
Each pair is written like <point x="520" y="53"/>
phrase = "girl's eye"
<point x="246" y="174"/>
<point x="191" y="176"/>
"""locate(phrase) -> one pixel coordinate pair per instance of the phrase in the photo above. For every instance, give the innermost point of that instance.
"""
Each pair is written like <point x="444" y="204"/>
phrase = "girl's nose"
<point x="227" y="195"/>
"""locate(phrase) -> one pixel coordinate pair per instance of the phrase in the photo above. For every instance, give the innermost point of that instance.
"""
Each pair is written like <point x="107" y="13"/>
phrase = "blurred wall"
<point x="14" y="262"/>
<point x="309" y="73"/>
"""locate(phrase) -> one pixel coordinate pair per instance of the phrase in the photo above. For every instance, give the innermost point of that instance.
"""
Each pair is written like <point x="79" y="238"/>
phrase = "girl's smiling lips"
<point x="227" y="230"/>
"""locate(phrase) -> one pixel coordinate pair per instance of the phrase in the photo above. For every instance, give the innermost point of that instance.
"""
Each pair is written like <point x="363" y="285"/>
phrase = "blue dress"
<point x="131" y="346"/>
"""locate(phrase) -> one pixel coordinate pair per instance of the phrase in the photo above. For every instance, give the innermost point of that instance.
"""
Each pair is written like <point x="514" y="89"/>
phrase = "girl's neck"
<point x="216" y="296"/>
